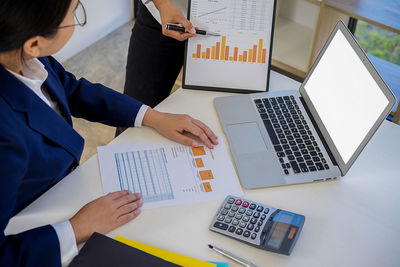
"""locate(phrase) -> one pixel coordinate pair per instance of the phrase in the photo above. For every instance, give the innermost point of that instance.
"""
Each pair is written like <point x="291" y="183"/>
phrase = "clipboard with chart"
<point x="238" y="60"/>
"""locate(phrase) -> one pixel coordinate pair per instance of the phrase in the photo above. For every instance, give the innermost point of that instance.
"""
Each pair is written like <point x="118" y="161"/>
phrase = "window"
<point x="378" y="42"/>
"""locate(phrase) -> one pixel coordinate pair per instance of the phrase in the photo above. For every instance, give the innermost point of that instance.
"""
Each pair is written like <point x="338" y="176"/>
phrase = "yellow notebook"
<point x="165" y="254"/>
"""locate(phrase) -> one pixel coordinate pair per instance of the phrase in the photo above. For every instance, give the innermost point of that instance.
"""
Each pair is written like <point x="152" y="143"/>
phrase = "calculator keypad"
<point x="257" y="224"/>
<point x="241" y="219"/>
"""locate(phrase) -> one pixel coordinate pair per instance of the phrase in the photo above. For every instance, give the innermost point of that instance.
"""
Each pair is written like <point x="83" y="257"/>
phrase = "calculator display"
<point x="278" y="235"/>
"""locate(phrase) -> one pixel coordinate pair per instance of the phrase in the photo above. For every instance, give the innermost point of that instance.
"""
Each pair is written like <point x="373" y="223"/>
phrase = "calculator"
<point x="258" y="225"/>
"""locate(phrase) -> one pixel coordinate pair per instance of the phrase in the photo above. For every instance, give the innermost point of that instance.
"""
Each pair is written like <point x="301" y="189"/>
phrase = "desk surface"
<point x="354" y="221"/>
<point x="383" y="13"/>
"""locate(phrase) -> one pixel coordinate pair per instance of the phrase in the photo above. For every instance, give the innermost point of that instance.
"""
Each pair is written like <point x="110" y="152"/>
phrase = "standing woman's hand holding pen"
<point x="170" y="13"/>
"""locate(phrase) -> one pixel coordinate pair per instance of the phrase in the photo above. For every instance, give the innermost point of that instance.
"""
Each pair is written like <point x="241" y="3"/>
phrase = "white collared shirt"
<point x="33" y="76"/>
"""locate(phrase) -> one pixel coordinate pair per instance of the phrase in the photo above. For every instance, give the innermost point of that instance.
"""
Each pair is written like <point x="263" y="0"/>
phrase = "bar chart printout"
<point x="239" y="57"/>
<point x="220" y="51"/>
<point x="168" y="174"/>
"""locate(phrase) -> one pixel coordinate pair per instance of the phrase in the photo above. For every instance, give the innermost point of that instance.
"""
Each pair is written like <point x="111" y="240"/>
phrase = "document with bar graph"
<point x="238" y="59"/>
<point x="168" y="174"/>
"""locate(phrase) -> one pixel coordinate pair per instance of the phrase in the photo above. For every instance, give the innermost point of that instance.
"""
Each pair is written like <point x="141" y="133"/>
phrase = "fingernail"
<point x="194" y="144"/>
<point x="140" y="202"/>
<point x="193" y="30"/>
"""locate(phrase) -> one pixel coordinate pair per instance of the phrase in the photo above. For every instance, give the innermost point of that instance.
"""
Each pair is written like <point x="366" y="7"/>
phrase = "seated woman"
<point x="38" y="146"/>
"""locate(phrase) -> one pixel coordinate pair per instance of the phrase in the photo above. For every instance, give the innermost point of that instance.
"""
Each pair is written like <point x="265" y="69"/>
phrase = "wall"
<point x="299" y="11"/>
<point x="103" y="17"/>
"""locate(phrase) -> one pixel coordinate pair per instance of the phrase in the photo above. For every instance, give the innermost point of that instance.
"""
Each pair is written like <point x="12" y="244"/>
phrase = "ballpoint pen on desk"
<point x="232" y="256"/>
<point x="180" y="28"/>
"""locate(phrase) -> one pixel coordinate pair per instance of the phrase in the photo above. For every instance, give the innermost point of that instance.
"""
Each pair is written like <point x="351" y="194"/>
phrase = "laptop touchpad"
<point x="257" y="167"/>
<point x="246" y="138"/>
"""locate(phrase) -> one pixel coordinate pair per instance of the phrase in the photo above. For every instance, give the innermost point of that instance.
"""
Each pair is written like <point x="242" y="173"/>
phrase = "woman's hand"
<point x="105" y="214"/>
<point x="173" y="126"/>
<point x="170" y="13"/>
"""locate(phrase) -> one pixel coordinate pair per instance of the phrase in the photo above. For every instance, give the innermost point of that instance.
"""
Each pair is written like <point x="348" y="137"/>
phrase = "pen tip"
<point x="210" y="246"/>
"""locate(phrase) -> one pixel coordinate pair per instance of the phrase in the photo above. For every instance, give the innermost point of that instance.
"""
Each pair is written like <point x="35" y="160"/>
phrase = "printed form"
<point x="168" y="174"/>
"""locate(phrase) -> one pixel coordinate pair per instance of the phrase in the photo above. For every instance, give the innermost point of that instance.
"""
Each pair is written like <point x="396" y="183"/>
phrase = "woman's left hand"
<point x="173" y="126"/>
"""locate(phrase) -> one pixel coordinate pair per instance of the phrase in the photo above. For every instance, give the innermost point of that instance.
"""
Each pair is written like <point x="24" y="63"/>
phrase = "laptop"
<point x="314" y="133"/>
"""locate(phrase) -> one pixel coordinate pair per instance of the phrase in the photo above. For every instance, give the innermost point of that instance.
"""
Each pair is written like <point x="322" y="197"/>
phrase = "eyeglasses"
<point x="80" y="16"/>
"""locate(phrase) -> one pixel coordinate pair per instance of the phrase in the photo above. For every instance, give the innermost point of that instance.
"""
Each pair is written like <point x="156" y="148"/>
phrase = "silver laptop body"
<point x="271" y="147"/>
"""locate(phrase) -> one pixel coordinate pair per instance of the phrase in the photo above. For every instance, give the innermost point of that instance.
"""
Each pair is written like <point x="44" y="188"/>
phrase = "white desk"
<point x="354" y="221"/>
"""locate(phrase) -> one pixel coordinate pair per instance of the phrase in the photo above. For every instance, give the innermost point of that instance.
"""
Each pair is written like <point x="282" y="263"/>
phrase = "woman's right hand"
<point x="170" y="13"/>
<point x="106" y="213"/>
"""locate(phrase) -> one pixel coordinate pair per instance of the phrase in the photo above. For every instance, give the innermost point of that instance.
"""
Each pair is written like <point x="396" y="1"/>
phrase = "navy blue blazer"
<point x="38" y="148"/>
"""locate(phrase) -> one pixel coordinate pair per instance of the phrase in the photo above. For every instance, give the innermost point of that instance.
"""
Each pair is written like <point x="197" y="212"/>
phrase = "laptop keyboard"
<point x="295" y="146"/>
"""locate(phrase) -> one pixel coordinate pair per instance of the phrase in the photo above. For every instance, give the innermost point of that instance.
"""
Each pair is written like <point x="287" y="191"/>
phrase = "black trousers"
<point x="154" y="61"/>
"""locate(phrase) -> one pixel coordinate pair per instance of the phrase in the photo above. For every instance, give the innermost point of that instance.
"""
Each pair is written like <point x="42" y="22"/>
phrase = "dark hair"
<point x="21" y="20"/>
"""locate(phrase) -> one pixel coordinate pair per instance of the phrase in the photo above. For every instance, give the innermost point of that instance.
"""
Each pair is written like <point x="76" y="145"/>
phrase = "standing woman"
<point x="38" y="146"/>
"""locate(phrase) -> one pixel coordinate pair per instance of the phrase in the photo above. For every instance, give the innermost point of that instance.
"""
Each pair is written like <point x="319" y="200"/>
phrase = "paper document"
<point x="239" y="58"/>
<point x="168" y="174"/>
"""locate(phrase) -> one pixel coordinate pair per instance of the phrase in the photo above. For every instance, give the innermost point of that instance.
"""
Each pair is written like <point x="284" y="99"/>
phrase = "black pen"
<point x="180" y="28"/>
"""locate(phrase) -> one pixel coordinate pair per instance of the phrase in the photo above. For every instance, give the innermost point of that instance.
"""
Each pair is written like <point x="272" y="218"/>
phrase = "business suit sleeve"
<point x="96" y="102"/>
<point x="36" y="247"/>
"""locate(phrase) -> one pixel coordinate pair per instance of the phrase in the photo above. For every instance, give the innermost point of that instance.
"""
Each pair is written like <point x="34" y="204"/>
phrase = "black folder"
<point x="101" y="250"/>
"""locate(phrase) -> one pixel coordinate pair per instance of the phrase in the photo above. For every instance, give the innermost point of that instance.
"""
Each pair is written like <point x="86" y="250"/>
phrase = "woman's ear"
<point x="32" y="47"/>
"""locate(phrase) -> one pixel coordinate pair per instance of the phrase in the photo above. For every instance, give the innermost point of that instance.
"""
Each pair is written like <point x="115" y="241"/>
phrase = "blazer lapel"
<point x="56" y="90"/>
<point x="41" y="117"/>
<point x="47" y="122"/>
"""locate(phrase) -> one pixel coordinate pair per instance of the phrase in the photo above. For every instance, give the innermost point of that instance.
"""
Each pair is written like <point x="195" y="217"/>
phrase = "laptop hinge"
<point x="318" y="132"/>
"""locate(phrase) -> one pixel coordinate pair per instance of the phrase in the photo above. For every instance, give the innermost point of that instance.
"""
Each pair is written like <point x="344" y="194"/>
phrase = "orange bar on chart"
<point x="250" y="55"/>
<point x="199" y="162"/>
<point x="198" y="50"/>
<point x="194" y="55"/>
<point x="240" y="58"/>
<point x="254" y="53"/>
<point x="235" y="54"/>
<point x="206" y="175"/>
<point x="226" y="52"/>
<point x="217" y="50"/>
<point x="244" y="56"/>
<point x="264" y="55"/>
<point x="260" y="44"/>
<point x="213" y="52"/>
<point x="223" y="47"/>
<point x="203" y="54"/>
<point x="207" y="187"/>
<point x="198" y="151"/>
<point x="208" y="51"/>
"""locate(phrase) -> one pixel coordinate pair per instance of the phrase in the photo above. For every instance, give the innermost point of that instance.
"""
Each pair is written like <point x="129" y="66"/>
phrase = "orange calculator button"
<point x="292" y="232"/>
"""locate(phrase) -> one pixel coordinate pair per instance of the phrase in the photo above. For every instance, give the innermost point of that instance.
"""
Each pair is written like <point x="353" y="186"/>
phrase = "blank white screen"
<point x="345" y="96"/>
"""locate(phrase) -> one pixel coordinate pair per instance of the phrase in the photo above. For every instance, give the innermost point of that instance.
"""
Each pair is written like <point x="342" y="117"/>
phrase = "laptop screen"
<point x="345" y="95"/>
